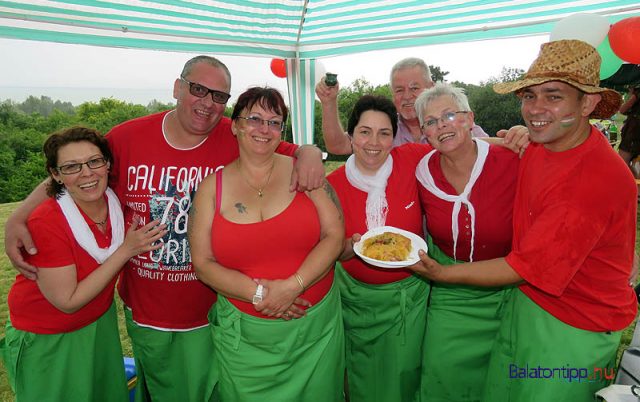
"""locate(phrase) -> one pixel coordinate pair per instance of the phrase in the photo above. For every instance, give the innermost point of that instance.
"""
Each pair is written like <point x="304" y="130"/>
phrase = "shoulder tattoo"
<point x="334" y="197"/>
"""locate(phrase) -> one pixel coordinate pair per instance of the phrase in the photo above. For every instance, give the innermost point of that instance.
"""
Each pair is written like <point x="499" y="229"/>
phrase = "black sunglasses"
<point x="201" y="91"/>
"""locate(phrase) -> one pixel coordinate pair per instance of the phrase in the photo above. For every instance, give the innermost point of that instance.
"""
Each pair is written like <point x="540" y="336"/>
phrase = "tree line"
<point x="24" y="126"/>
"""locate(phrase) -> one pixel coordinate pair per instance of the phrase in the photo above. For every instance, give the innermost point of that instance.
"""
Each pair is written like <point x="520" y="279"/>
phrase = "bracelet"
<point x="299" y="279"/>
<point x="257" y="297"/>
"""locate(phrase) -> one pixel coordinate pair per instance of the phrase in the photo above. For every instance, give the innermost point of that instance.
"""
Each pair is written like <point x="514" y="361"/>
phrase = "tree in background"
<point x="24" y="127"/>
<point x="493" y="111"/>
<point x="21" y="161"/>
<point x="108" y="113"/>
<point x="155" y="106"/>
<point x="44" y="106"/>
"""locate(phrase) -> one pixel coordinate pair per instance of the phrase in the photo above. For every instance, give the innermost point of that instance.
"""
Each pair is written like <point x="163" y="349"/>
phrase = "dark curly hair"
<point x="66" y="136"/>
<point x="268" y="98"/>
<point x="373" y="102"/>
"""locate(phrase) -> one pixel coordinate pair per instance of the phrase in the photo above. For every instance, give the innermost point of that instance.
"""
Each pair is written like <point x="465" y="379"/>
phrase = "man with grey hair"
<point x="159" y="161"/>
<point x="408" y="78"/>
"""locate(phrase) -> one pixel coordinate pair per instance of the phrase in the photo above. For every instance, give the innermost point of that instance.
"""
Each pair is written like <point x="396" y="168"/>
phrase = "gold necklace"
<point x="260" y="190"/>
<point x="103" y="221"/>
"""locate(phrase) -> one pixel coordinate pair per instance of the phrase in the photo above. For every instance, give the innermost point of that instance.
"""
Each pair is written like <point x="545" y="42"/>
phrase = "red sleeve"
<point x="557" y="243"/>
<point x="51" y="241"/>
<point x="287" y="148"/>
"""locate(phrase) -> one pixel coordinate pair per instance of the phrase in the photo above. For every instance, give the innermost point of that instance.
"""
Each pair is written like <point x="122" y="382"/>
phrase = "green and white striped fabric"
<point x="301" y="83"/>
<point x="287" y="28"/>
<point x="298" y="30"/>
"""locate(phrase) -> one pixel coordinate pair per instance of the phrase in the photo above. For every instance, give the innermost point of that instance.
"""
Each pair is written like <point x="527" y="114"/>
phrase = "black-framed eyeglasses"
<point x="447" y="116"/>
<point x="200" y="91"/>
<point x="257" y="122"/>
<point x="73" y="168"/>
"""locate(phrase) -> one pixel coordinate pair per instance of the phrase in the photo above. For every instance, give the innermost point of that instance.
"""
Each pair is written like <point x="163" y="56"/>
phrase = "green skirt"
<point x="172" y="366"/>
<point x="81" y="366"/>
<point x="264" y="360"/>
<point x="539" y="358"/>
<point x="462" y="324"/>
<point x="384" y="330"/>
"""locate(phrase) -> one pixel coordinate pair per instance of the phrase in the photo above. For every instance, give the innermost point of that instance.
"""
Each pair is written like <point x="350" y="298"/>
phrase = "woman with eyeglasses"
<point x="467" y="191"/>
<point x="269" y="254"/>
<point x="62" y="341"/>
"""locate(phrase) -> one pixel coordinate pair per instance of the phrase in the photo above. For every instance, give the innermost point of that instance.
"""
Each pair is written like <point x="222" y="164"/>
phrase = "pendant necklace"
<point x="260" y="190"/>
<point x="101" y="222"/>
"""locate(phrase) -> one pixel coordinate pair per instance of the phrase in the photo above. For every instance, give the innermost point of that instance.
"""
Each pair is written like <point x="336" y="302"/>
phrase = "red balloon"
<point x="623" y="37"/>
<point x="279" y="68"/>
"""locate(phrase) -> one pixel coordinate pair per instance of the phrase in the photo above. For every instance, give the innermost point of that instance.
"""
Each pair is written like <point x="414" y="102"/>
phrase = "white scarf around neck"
<point x="375" y="187"/>
<point x="82" y="232"/>
<point x="424" y="176"/>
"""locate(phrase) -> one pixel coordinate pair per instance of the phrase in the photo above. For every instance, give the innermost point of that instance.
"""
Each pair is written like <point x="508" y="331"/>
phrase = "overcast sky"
<point x="90" y="72"/>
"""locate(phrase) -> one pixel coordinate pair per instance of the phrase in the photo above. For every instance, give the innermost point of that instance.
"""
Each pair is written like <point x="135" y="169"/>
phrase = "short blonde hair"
<point x="438" y="90"/>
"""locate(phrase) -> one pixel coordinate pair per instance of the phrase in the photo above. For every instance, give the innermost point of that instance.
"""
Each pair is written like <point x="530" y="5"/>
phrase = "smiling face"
<point x="254" y="133"/>
<point x="88" y="185"/>
<point x="444" y="135"/>
<point x="372" y="141"/>
<point x="406" y="85"/>
<point x="198" y="116"/>
<point x="557" y="114"/>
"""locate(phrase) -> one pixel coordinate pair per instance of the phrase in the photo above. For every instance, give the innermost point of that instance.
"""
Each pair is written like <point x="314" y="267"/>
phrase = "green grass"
<point x="330" y="166"/>
<point x="7" y="275"/>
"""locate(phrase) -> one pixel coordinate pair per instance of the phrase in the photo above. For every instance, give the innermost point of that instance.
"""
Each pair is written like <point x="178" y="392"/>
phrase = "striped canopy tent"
<point x="300" y="31"/>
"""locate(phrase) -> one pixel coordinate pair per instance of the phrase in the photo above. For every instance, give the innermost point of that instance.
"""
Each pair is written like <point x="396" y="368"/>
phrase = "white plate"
<point x="417" y="243"/>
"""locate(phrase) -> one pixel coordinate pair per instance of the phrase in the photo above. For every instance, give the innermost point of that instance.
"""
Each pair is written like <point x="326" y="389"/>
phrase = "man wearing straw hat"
<point x="573" y="244"/>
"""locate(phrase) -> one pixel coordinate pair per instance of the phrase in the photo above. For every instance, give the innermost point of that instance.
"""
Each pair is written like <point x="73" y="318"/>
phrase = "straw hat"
<point x="572" y="61"/>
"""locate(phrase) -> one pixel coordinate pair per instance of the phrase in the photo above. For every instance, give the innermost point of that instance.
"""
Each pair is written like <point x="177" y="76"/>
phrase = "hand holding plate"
<point x="427" y="267"/>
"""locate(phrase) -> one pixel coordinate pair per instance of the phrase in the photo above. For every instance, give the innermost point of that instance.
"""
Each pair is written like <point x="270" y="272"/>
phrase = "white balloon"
<point x="590" y="28"/>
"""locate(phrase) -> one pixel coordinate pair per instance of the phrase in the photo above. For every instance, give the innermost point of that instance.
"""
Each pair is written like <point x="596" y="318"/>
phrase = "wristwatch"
<point x="257" y="298"/>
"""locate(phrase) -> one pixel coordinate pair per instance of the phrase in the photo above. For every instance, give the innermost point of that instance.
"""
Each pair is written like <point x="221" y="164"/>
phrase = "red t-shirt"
<point x="404" y="209"/>
<point x="154" y="180"/>
<point x="271" y="249"/>
<point x="574" y="234"/>
<point x="492" y="198"/>
<point x="29" y="310"/>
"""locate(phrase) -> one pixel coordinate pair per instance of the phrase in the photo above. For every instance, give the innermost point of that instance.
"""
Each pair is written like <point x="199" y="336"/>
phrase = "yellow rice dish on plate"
<point x="387" y="246"/>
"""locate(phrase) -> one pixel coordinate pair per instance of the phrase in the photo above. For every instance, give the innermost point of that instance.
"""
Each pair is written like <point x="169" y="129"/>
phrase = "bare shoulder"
<point x="207" y="185"/>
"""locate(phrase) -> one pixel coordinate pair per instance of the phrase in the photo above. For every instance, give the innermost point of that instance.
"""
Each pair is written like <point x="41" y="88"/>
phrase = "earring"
<point x="59" y="181"/>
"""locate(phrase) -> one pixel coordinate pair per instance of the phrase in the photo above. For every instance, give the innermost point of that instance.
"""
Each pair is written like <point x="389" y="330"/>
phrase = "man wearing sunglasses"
<point x="159" y="160"/>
